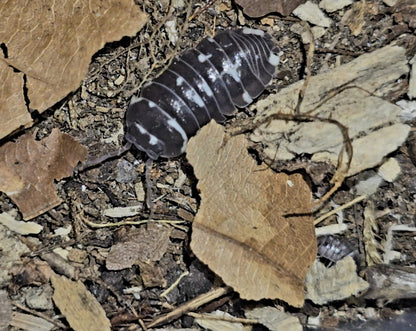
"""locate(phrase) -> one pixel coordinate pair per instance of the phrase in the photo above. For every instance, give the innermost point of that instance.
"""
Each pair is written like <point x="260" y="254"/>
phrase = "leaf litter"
<point x="51" y="47"/>
<point x="28" y="169"/>
<point x="95" y="112"/>
<point x="244" y="221"/>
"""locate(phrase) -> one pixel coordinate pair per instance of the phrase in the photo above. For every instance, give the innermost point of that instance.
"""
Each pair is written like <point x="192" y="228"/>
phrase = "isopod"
<point x="333" y="249"/>
<point x="204" y="83"/>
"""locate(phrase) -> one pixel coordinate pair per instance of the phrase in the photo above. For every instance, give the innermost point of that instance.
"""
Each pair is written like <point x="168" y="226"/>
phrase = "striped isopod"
<point x="333" y="248"/>
<point x="204" y="83"/>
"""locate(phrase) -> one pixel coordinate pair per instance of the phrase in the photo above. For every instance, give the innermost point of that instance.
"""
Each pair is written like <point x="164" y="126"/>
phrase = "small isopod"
<point x="204" y="83"/>
<point x="333" y="249"/>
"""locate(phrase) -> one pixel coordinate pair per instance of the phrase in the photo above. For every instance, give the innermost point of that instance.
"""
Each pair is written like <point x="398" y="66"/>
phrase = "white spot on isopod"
<point x="202" y="57"/>
<point x="179" y="81"/>
<point x="274" y="59"/>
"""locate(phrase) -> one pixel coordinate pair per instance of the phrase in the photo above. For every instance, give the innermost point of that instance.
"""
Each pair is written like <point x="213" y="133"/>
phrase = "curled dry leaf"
<point x="257" y="8"/>
<point x="51" y="45"/>
<point x="28" y="169"/>
<point x="249" y="229"/>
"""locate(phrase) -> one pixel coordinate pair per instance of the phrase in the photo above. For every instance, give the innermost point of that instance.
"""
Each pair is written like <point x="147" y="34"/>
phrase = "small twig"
<point x="342" y="169"/>
<point x="224" y="318"/>
<point x="338" y="209"/>
<point x="189" y="306"/>
<point x="89" y="163"/>
<point x="309" y="57"/>
<point x="125" y="222"/>
<point x="175" y="283"/>
<point x="44" y="316"/>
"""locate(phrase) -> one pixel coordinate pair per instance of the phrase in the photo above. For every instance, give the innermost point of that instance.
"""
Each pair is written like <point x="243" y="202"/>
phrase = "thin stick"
<point x="89" y="163"/>
<point x="149" y="201"/>
<point x="189" y="306"/>
<point x="38" y="314"/>
<point x="224" y="318"/>
<point x="336" y="210"/>
<point x="309" y="57"/>
<point x="121" y="223"/>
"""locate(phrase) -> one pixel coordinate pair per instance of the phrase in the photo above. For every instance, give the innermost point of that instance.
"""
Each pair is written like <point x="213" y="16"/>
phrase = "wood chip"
<point x="80" y="308"/>
<point x="30" y="322"/>
<point x="19" y="226"/>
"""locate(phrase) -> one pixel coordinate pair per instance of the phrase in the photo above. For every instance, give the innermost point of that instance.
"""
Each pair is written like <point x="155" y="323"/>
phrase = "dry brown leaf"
<point x="243" y="230"/>
<point x="13" y="111"/>
<point x="28" y="169"/>
<point x="52" y="44"/>
<point x="80" y="308"/>
<point x="146" y="245"/>
<point x="257" y="8"/>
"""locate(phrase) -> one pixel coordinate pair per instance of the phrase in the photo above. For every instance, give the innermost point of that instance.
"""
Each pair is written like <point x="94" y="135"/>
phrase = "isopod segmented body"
<point x="334" y="248"/>
<point x="204" y="83"/>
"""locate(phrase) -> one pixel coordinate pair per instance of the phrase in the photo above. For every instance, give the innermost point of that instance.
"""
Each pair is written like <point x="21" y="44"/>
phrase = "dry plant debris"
<point x="94" y="114"/>
<point x="28" y="169"/>
<point x="405" y="12"/>
<point x="370" y="232"/>
<point x="258" y="8"/>
<point x="144" y="247"/>
<point x="29" y="322"/>
<point x="401" y="282"/>
<point x="274" y="319"/>
<point x="352" y="94"/>
<point x="324" y="284"/>
<point x="51" y="46"/>
<point x="19" y="227"/>
<point x="243" y="230"/>
<point x="78" y="305"/>
<point x="11" y="248"/>
<point x="5" y="310"/>
<point x="13" y="109"/>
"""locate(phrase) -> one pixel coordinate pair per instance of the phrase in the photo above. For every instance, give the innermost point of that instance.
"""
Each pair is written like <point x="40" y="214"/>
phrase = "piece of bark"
<point x="390" y="282"/>
<point x="80" y="308"/>
<point x="251" y="227"/>
<point x="23" y="321"/>
<point x="374" y="125"/>
<point x="339" y="282"/>
<point x="274" y="319"/>
<point x="19" y="227"/>
<point x="258" y="8"/>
